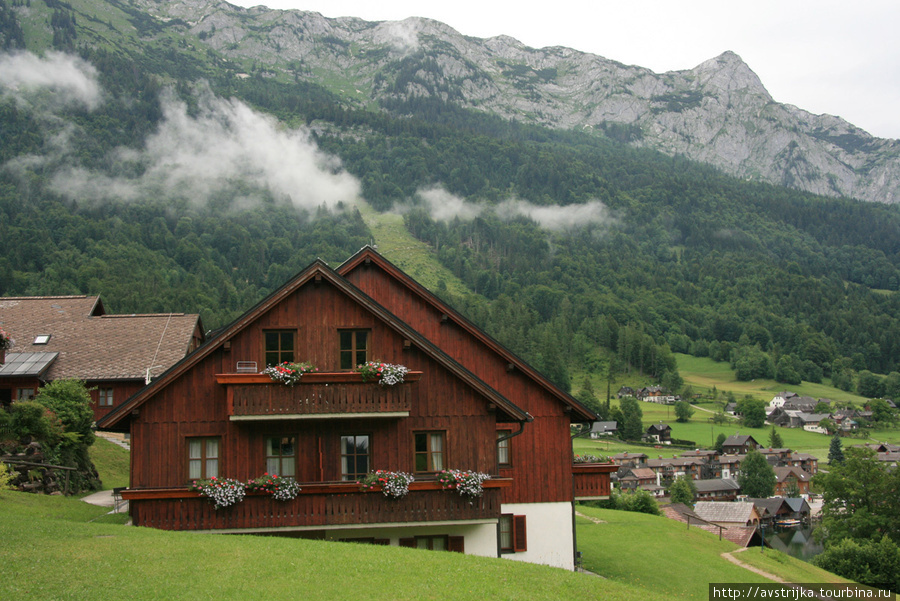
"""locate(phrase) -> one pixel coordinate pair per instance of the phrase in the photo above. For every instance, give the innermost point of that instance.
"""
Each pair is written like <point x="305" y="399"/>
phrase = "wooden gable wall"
<point x="194" y="404"/>
<point x="542" y="455"/>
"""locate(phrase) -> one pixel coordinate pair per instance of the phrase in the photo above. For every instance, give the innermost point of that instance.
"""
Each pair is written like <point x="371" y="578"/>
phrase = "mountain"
<point x="192" y="156"/>
<point x="718" y="112"/>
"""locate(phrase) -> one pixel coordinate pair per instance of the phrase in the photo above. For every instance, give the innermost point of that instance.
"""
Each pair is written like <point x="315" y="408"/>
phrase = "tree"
<point x="683" y="490"/>
<point x="587" y="398"/>
<point x="638" y="500"/>
<point x="720" y="442"/>
<point x="757" y="478"/>
<point x="859" y="498"/>
<point x="683" y="411"/>
<point x="775" y="441"/>
<point x="871" y="562"/>
<point x="869" y="385"/>
<point x="632" y="428"/>
<point x="753" y="412"/>
<point x="882" y="412"/>
<point x="836" y="451"/>
<point x="71" y="402"/>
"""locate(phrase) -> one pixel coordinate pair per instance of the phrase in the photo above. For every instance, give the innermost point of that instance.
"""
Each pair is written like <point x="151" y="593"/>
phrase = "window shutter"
<point x="408" y="542"/>
<point x="520" y="540"/>
<point x="456" y="544"/>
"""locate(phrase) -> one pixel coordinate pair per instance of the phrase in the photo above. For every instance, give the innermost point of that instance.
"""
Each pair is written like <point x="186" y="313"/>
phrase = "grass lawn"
<point x="51" y="550"/>
<point x="664" y="556"/>
<point x="112" y="463"/>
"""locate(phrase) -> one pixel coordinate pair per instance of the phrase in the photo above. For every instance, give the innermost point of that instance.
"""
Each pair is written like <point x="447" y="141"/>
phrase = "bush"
<point x="865" y="561"/>
<point x="638" y="500"/>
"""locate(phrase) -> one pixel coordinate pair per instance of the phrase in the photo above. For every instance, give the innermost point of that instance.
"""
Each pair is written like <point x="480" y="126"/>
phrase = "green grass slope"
<point x="51" y="550"/>
<point x="662" y="556"/>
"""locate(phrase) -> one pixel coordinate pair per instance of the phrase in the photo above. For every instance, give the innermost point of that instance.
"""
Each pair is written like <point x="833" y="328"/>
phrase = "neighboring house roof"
<point x="770" y="507"/>
<point x="725" y="511"/>
<point x="316" y="272"/>
<point x="716" y="485"/>
<point x="738" y="440"/>
<point x="91" y="345"/>
<point x="739" y="535"/>
<point x="798" y="504"/>
<point x="643" y="473"/>
<point x="813" y="418"/>
<point x="660" y="427"/>
<point x="783" y="473"/>
<point x="731" y="459"/>
<point x="603" y="427"/>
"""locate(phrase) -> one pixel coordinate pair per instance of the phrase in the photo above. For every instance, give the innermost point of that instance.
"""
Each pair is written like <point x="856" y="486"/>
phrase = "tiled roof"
<point x="92" y="345"/>
<point x="717" y="484"/>
<point x="740" y="535"/>
<point x="722" y="511"/>
<point x="782" y="473"/>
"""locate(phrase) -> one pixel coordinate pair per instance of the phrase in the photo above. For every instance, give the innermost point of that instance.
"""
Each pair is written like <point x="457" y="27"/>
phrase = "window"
<point x="105" y="397"/>
<point x="354" y="457"/>
<point x="279" y="346"/>
<point x="432" y="543"/>
<point x="24" y="394"/>
<point x="280" y="456"/>
<point x="512" y="533"/>
<point x="429" y="451"/>
<point x="203" y="457"/>
<point x="354" y="347"/>
<point x="503" y="447"/>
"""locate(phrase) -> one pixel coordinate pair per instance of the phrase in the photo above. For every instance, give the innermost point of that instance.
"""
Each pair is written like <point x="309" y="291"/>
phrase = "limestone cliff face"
<point x="718" y="112"/>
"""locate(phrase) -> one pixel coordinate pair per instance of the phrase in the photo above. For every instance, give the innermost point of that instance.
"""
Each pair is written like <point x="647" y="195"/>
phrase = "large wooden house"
<point x="73" y="337"/>
<point x="467" y="403"/>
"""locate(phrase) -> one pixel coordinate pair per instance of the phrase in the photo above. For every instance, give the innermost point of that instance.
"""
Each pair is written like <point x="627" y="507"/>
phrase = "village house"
<point x="728" y="514"/>
<point x="660" y="433"/>
<point x="629" y="459"/>
<point x="603" y="429"/>
<point x="717" y="489"/>
<point x="72" y="337"/>
<point x="466" y="403"/>
<point x="791" y="481"/>
<point x="739" y="444"/>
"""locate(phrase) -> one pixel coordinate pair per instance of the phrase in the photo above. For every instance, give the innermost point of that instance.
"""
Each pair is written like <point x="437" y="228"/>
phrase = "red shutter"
<point x="408" y="542"/>
<point x="520" y="539"/>
<point x="456" y="544"/>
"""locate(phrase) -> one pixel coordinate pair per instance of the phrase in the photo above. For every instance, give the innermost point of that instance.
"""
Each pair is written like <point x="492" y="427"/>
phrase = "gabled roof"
<point x="738" y="440"/>
<point x="798" y="504"/>
<point x="91" y="345"/>
<point x="782" y="474"/>
<point x="317" y="271"/>
<point x="771" y="506"/>
<point x="725" y="511"/>
<point x="368" y="255"/>
<point x="716" y="485"/>
<point x="604" y="427"/>
<point x="660" y="427"/>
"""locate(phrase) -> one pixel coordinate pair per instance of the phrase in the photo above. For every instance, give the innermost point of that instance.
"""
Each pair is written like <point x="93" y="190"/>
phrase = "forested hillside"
<point x="153" y="175"/>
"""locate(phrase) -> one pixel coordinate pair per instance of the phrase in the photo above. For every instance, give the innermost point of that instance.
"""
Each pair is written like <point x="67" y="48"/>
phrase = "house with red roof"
<point x="72" y="337"/>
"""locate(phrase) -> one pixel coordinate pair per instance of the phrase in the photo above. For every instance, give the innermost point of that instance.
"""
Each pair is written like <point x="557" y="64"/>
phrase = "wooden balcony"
<point x="324" y="506"/>
<point x="592" y="481"/>
<point x="316" y="396"/>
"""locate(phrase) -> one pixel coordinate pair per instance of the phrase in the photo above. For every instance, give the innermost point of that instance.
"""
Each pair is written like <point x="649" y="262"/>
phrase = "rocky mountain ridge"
<point x="718" y="113"/>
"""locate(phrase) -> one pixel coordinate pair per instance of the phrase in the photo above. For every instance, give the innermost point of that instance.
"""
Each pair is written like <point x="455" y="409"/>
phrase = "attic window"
<point x="42" y="339"/>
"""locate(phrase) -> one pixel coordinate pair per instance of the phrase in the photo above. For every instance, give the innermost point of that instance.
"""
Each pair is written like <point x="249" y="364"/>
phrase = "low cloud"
<point x="223" y="148"/>
<point x="55" y="81"/>
<point x="444" y="206"/>
<point x="225" y="143"/>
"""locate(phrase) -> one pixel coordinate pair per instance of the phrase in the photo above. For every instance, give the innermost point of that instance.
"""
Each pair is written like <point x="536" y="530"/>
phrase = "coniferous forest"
<point x="667" y="256"/>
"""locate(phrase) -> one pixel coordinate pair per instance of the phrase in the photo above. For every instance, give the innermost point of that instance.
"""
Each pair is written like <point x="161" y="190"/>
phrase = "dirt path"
<point x="731" y="557"/>
<point x="589" y="518"/>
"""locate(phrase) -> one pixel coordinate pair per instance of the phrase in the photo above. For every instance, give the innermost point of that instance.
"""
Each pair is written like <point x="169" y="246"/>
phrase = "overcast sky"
<point x="824" y="56"/>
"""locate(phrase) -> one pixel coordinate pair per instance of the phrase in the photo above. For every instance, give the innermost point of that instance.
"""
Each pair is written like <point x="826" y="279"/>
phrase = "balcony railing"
<point x="316" y="396"/>
<point x="592" y="481"/>
<point x="318" y="506"/>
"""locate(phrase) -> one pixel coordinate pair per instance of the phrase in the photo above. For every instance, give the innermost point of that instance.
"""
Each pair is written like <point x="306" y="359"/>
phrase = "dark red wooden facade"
<point x="461" y="385"/>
